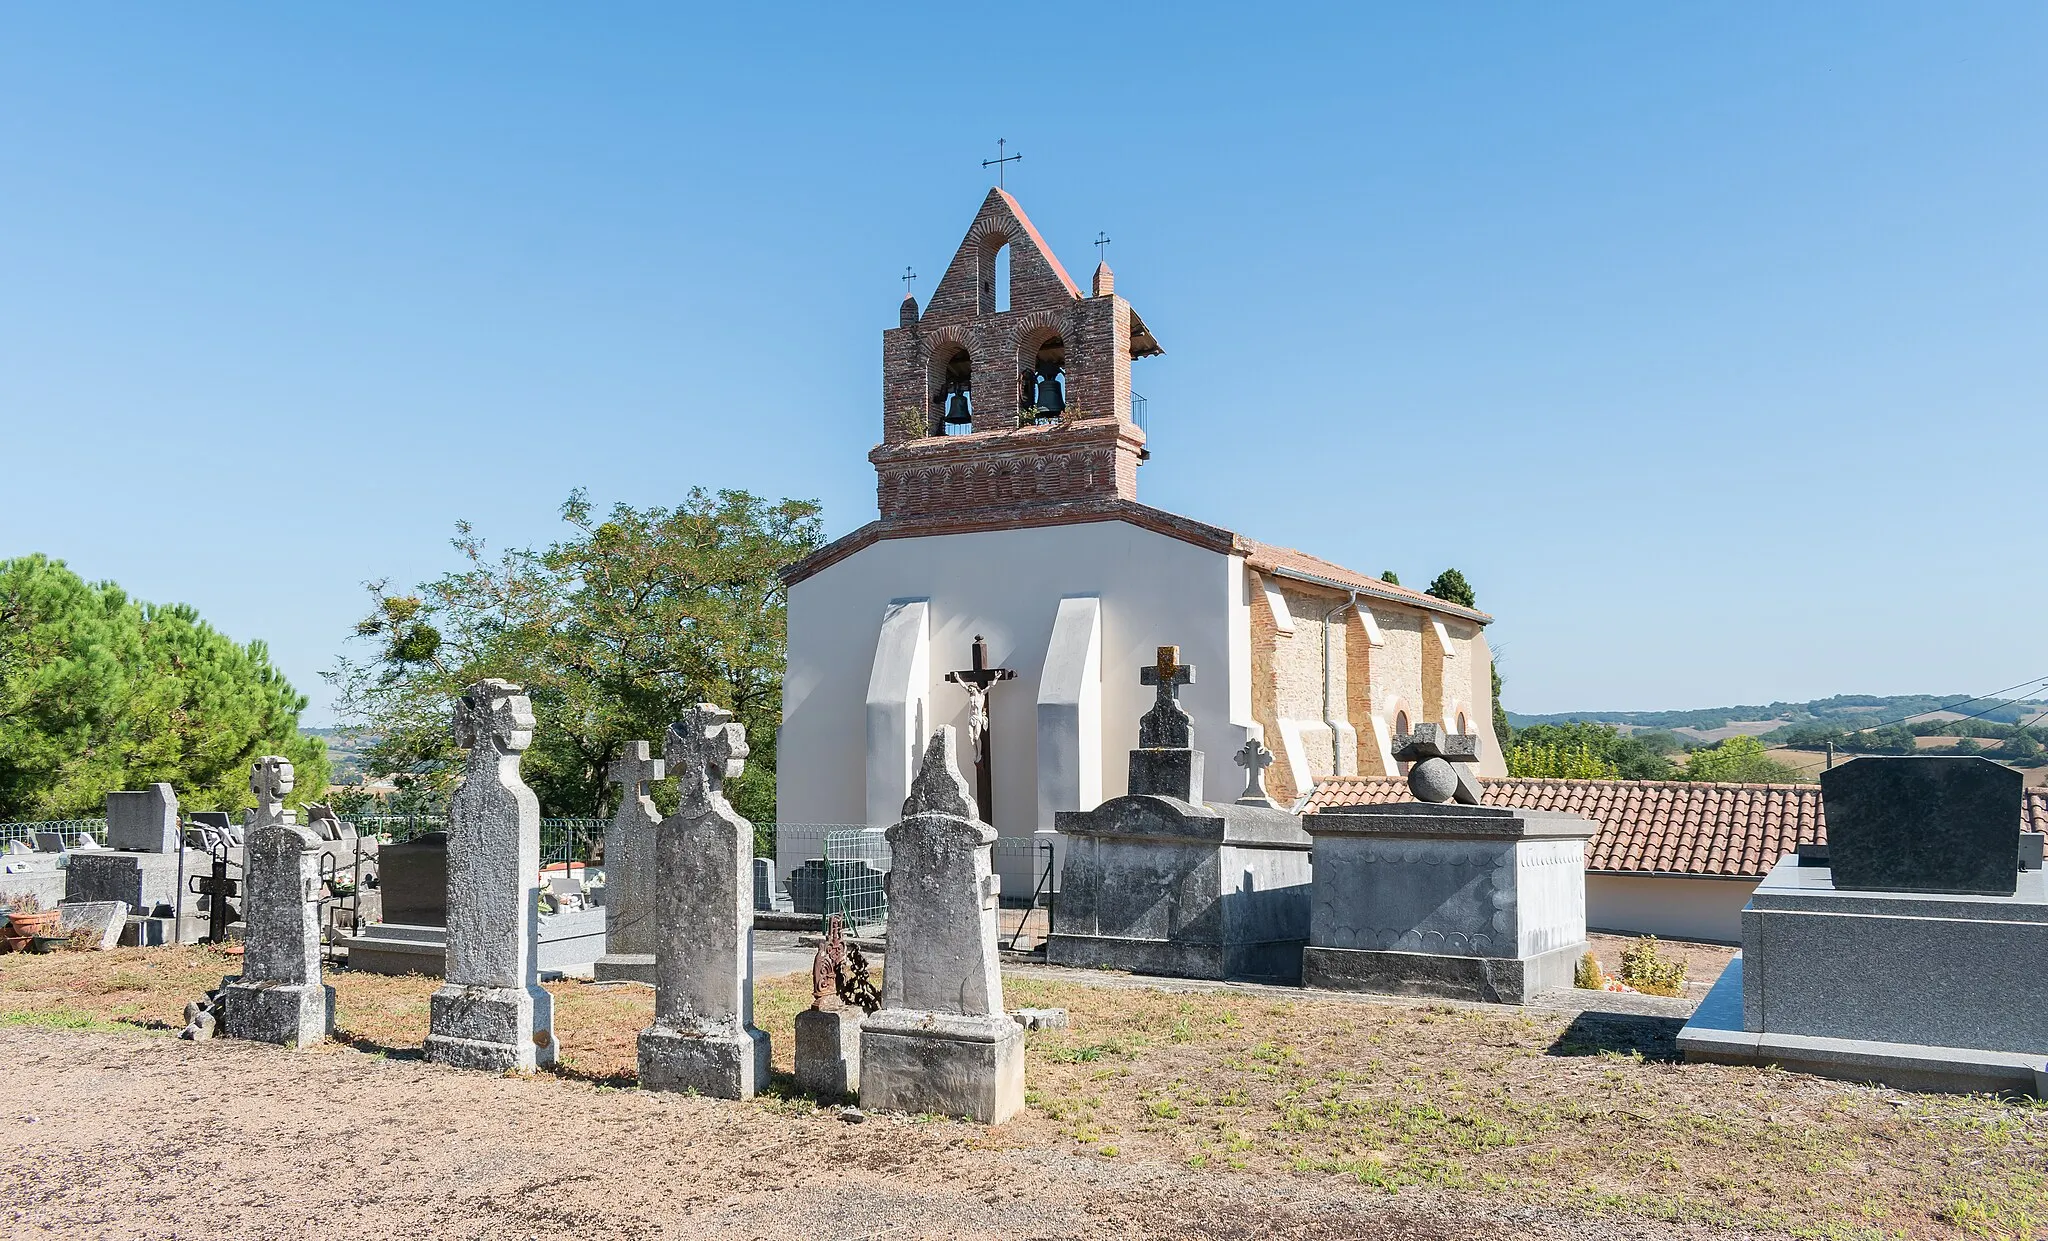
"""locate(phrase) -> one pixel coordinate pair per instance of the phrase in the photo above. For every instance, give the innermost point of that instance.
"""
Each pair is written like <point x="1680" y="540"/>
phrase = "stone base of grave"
<point x="567" y="941"/>
<point x="724" y="1064"/>
<point x="828" y="1051"/>
<point x="139" y="880"/>
<point x="493" y="1028"/>
<point x="1715" y="1036"/>
<point x="289" y="1014"/>
<point x="969" y="1067"/>
<point x="624" y="967"/>
<point x="1492" y="980"/>
<point x="1275" y="961"/>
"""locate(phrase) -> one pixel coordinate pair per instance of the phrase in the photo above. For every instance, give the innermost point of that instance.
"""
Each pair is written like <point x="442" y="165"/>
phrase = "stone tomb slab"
<point x="101" y="921"/>
<point x="1934" y="824"/>
<point x="143" y="821"/>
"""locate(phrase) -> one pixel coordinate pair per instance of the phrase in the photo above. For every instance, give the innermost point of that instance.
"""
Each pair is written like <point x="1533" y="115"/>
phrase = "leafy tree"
<point x="614" y="632"/>
<point x="1739" y="760"/>
<point x="1451" y="587"/>
<point x="1622" y="757"/>
<point x="1967" y="745"/>
<point x="2020" y="748"/>
<point x="1558" y="760"/>
<point x="1391" y="578"/>
<point x="100" y="692"/>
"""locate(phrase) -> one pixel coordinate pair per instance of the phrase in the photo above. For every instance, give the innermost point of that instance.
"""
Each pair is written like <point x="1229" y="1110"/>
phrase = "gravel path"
<point x="119" y="1135"/>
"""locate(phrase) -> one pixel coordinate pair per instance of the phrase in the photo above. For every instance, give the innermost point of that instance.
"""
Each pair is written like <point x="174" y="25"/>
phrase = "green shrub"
<point x="1649" y="971"/>
<point x="1588" y="976"/>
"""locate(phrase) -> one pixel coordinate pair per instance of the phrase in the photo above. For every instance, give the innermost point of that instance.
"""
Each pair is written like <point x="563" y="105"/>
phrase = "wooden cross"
<point x="1000" y="160"/>
<point x="1101" y="242"/>
<point x="976" y="681"/>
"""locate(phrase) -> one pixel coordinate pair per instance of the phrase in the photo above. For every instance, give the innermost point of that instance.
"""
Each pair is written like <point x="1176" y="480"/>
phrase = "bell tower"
<point x="1012" y="389"/>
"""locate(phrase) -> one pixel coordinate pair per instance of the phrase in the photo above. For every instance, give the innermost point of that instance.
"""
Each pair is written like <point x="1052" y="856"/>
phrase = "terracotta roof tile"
<point x="1736" y="831"/>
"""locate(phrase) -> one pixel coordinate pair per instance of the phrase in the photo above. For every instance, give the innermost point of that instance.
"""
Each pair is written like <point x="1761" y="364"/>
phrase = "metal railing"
<point x="67" y="828"/>
<point x="561" y="840"/>
<point x="855" y="861"/>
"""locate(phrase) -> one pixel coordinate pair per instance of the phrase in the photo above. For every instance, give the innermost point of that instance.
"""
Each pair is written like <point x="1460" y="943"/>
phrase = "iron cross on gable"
<point x="1001" y="159"/>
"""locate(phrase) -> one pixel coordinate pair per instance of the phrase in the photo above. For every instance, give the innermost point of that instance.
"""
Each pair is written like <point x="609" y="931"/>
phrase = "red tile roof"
<point x="1665" y="827"/>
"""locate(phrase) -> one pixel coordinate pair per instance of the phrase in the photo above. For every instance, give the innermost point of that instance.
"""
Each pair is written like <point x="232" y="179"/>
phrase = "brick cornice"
<point x="1079" y="512"/>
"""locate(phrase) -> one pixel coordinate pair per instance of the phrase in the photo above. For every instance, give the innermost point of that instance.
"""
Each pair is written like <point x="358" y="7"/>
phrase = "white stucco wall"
<point x="1006" y="585"/>
<point x="1668" y="906"/>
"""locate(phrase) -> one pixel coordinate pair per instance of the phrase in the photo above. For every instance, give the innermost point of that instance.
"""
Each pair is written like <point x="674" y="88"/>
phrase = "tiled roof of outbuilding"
<point x="1665" y="827"/>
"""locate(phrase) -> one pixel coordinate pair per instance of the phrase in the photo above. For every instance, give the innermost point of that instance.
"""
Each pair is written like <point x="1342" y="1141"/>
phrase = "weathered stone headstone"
<point x="50" y="842"/>
<point x="492" y="1012"/>
<point x="101" y="921"/>
<point x="629" y="918"/>
<point x="942" y="1042"/>
<point x="1936" y="824"/>
<point x="703" y="1037"/>
<point x="145" y="821"/>
<point x="280" y="997"/>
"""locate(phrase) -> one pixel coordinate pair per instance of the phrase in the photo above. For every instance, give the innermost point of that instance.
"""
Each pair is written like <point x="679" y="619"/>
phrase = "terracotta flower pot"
<point x="24" y="927"/>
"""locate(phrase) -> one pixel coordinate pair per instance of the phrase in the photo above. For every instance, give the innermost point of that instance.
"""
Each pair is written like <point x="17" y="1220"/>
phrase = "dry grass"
<point x="1589" y="1113"/>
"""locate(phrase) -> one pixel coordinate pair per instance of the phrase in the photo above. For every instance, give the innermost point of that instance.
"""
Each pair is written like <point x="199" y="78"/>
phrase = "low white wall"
<point x="1668" y="906"/>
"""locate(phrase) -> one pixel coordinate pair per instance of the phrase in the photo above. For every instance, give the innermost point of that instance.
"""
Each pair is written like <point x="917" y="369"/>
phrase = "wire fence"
<point x="67" y="829"/>
<point x="561" y="840"/>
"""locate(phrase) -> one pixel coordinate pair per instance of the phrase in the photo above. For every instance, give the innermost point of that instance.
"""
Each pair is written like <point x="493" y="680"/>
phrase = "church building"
<point x="1015" y="587"/>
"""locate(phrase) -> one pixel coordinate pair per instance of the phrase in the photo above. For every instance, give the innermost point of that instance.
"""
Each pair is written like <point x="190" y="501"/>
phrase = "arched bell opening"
<point x="1044" y="396"/>
<point x="952" y="401"/>
<point x="995" y="274"/>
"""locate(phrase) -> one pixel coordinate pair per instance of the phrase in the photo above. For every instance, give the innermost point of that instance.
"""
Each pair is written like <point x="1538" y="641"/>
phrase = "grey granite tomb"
<point x="629" y="870"/>
<point x="1159" y="882"/>
<point x="492" y="1013"/>
<point x="941" y="1042"/>
<point x="1926" y="977"/>
<point x="144" y="862"/>
<point x="1435" y="897"/>
<point x="144" y="821"/>
<point x="279" y="997"/>
<point x="703" y="1037"/>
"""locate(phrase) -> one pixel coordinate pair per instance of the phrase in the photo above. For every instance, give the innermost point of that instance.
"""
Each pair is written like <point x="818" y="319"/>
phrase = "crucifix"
<point x="907" y="277"/>
<point x="1000" y="160"/>
<point x="976" y="681"/>
<point x="1101" y="244"/>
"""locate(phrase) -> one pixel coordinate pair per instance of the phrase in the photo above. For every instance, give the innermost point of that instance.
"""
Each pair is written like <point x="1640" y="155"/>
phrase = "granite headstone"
<point x="1934" y="824"/>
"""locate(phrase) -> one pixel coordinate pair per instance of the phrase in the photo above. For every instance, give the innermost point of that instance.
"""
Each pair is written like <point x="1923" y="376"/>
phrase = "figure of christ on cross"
<point x="976" y="681"/>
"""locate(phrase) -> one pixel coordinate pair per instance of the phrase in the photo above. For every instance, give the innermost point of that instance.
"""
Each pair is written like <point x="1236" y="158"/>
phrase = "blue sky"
<point x="1711" y="342"/>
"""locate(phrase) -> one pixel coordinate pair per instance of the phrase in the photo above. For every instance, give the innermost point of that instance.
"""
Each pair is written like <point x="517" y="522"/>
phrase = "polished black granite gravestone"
<point x="1923" y="825"/>
<point x="414" y="880"/>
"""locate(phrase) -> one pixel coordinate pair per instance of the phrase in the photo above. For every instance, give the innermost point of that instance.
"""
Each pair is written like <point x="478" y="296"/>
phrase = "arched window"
<point x="995" y="274"/>
<point x="1002" y="275"/>
<point x="1401" y="727"/>
<point x="1044" y="397"/>
<point x="952" y="410"/>
<point x="1463" y="727"/>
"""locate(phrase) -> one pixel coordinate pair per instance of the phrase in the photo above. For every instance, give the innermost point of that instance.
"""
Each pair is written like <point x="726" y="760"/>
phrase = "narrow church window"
<point x="995" y="274"/>
<point x="1002" y="278"/>
<point x="952" y="394"/>
<point x="1045" y="396"/>
<point x="1401" y="727"/>
<point x="1463" y="728"/>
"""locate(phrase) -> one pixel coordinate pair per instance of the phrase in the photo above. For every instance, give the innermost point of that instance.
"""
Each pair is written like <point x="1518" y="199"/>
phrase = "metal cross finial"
<point x="907" y="277"/>
<point x="1101" y="241"/>
<point x="1000" y="160"/>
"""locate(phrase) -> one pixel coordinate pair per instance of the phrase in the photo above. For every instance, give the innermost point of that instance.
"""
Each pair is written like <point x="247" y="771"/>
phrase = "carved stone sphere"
<point x="1432" y="779"/>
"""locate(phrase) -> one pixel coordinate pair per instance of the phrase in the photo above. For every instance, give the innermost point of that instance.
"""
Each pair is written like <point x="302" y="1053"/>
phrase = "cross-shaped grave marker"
<point x="1254" y="758"/>
<point x="704" y="750"/>
<point x="1167" y="725"/>
<point x="217" y="888"/>
<point x="635" y="769"/>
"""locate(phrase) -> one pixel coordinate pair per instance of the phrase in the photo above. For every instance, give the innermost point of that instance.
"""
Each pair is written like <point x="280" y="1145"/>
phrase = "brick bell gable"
<point x="1090" y="454"/>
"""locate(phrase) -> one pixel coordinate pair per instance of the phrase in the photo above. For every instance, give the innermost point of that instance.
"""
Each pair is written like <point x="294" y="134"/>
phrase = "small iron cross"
<point x="217" y="888"/>
<point x="907" y="277"/>
<point x="1000" y="160"/>
<point x="1101" y="244"/>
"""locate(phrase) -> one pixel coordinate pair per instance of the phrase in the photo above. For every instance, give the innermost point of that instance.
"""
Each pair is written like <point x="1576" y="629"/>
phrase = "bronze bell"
<point x="957" y="411"/>
<point x="1049" y="399"/>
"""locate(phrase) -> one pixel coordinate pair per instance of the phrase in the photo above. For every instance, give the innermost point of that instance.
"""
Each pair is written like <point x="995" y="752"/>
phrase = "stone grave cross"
<point x="1254" y="758"/>
<point x="977" y="681"/>
<point x="704" y="750"/>
<point x="1166" y="725"/>
<point x="629" y="865"/>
